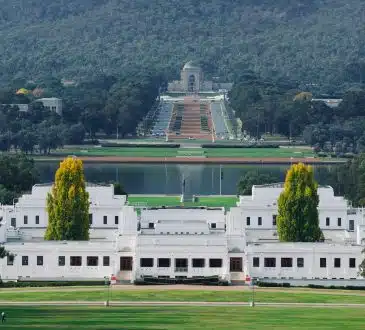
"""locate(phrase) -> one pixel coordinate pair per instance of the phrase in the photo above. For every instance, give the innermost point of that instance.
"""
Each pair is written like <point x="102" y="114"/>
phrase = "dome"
<point x="191" y="65"/>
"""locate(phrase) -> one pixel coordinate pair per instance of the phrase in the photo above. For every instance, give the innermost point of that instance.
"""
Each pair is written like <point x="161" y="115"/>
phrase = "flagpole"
<point x="220" y="179"/>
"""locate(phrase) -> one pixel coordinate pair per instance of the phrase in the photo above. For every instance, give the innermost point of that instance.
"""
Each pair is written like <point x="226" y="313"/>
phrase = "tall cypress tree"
<point x="68" y="203"/>
<point x="297" y="219"/>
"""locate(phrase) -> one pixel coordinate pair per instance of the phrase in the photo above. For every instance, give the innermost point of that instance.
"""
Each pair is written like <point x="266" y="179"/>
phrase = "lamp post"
<point x="253" y="292"/>
<point x="107" y="284"/>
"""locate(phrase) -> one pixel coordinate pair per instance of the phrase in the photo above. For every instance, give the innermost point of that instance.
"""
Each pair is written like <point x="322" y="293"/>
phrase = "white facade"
<point x="181" y="242"/>
<point x="52" y="103"/>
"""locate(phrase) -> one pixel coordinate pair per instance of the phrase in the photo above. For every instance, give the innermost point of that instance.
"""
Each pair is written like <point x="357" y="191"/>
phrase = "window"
<point x="323" y="262"/>
<point x="327" y="221"/>
<point x="235" y="264"/>
<point x="213" y="225"/>
<point x="181" y="265"/>
<point x="351" y="225"/>
<point x="25" y="219"/>
<point x="75" y="261"/>
<point x="198" y="263"/>
<point x="259" y="221"/>
<point x="116" y="220"/>
<point x="286" y="262"/>
<point x="248" y="221"/>
<point x="25" y="260"/>
<point x="90" y="218"/>
<point x="274" y="220"/>
<point x="256" y="262"/>
<point x="337" y="263"/>
<point x="339" y="222"/>
<point x="10" y="260"/>
<point x="146" y="262"/>
<point x="39" y="260"/>
<point x="151" y="225"/>
<point x="300" y="262"/>
<point x="352" y="262"/>
<point x="163" y="262"/>
<point x="126" y="263"/>
<point x="61" y="261"/>
<point x="13" y="222"/>
<point x="92" y="261"/>
<point x="105" y="219"/>
<point x="106" y="261"/>
<point x="215" y="263"/>
<point x="37" y="219"/>
<point x="270" y="262"/>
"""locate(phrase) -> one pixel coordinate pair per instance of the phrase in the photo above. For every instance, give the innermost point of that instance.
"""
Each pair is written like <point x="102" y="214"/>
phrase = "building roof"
<point x="191" y="65"/>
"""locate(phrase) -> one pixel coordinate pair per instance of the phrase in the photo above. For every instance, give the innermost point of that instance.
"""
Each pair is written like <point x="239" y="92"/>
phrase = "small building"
<point x="52" y="104"/>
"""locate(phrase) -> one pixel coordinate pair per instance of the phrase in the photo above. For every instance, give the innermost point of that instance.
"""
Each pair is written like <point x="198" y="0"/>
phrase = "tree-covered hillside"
<point x="311" y="41"/>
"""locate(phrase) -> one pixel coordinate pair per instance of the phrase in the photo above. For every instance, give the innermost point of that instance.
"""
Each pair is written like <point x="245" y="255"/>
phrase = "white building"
<point x="181" y="242"/>
<point x="52" y="104"/>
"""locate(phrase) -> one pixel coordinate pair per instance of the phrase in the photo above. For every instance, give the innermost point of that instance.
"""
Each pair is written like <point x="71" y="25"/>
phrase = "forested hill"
<point x="311" y="41"/>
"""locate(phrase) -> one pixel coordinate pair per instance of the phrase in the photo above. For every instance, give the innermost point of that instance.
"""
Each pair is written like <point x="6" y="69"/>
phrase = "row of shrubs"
<point x="216" y="145"/>
<point x="348" y="155"/>
<point x="140" y="145"/>
<point x="23" y="284"/>
<point x="312" y="286"/>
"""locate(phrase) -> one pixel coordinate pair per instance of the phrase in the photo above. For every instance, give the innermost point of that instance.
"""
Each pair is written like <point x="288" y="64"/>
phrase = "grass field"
<point x="151" y="201"/>
<point x="172" y="152"/>
<point x="261" y="295"/>
<point x="219" y="318"/>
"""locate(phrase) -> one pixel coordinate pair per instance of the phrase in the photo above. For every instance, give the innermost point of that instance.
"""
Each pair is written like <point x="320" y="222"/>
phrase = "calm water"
<point x="167" y="179"/>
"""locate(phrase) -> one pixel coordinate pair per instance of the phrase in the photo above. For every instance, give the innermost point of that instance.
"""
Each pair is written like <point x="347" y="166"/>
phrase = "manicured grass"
<point x="151" y="201"/>
<point x="259" y="152"/>
<point x="100" y="294"/>
<point x="184" y="318"/>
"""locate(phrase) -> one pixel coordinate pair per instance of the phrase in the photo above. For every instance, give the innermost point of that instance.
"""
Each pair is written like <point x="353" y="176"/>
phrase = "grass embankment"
<point x="151" y="201"/>
<point x="118" y="294"/>
<point x="174" y="318"/>
<point x="186" y="152"/>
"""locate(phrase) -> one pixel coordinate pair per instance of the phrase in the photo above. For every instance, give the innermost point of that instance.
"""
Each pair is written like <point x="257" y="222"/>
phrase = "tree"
<point x="244" y="186"/>
<point x="297" y="219"/>
<point x="68" y="203"/>
<point x="362" y="266"/>
<point x="119" y="189"/>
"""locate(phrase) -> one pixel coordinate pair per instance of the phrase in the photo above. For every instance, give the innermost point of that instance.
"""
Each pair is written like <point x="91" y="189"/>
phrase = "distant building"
<point x="22" y="107"/>
<point x="53" y="104"/>
<point x="332" y="103"/>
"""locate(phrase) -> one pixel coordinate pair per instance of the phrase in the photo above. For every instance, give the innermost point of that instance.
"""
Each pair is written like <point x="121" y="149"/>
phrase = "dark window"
<point x="323" y="262"/>
<point x="151" y="225"/>
<point x="163" y="262"/>
<point x="106" y="261"/>
<point x="90" y="218"/>
<point x="213" y="225"/>
<point x="37" y="219"/>
<point x="126" y="263"/>
<point x="10" y="261"/>
<point x="286" y="262"/>
<point x="300" y="262"/>
<point x="25" y="219"/>
<point x="24" y="260"/>
<point x="116" y="220"/>
<point x="256" y="262"/>
<point x="270" y="262"/>
<point x="274" y="220"/>
<point x="327" y="221"/>
<point x="105" y="219"/>
<point x="352" y="262"/>
<point x="337" y="263"/>
<point x="39" y="260"/>
<point x="13" y="222"/>
<point x="339" y="222"/>
<point x="92" y="261"/>
<point x="198" y="263"/>
<point x="351" y="225"/>
<point x="61" y="261"/>
<point x="248" y="221"/>
<point x="75" y="261"/>
<point x="235" y="264"/>
<point x="215" y="263"/>
<point x="146" y="262"/>
<point x="181" y="264"/>
<point x="259" y="221"/>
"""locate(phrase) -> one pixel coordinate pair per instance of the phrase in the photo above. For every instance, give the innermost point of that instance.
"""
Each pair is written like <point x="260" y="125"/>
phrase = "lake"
<point x="167" y="179"/>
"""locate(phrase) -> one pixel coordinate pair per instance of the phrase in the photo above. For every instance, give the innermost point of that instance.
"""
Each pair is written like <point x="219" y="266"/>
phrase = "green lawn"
<point x="184" y="318"/>
<point x="100" y="294"/>
<point x="174" y="152"/>
<point x="151" y="201"/>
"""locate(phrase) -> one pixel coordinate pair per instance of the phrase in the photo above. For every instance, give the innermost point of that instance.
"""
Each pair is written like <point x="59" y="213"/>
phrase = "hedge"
<point x="140" y="145"/>
<point x="23" y="284"/>
<point x="273" y="285"/>
<point x="252" y="146"/>
<point x="312" y="286"/>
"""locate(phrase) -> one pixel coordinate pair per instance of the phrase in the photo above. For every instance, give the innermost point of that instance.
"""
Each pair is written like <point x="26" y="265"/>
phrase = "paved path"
<point x="176" y="303"/>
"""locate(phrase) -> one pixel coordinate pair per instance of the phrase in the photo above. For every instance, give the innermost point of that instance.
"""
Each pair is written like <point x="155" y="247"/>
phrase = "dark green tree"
<point x="297" y="219"/>
<point x="244" y="186"/>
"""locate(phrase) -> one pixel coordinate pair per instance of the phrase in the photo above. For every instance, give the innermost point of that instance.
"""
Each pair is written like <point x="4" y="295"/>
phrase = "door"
<point x="351" y="225"/>
<point x="126" y="263"/>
